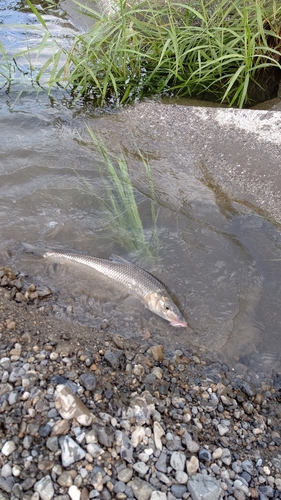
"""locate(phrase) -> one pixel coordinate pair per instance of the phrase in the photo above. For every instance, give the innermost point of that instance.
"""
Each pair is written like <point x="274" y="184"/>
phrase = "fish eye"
<point x="167" y="307"/>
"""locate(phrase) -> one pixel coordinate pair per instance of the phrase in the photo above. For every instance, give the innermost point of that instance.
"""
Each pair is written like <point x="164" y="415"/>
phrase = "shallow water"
<point x="221" y="260"/>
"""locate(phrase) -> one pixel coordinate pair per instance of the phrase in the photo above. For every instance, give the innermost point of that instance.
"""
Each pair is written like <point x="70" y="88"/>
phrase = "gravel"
<point x="85" y="419"/>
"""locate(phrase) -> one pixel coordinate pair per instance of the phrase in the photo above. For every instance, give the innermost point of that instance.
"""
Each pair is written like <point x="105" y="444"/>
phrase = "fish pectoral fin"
<point x="119" y="260"/>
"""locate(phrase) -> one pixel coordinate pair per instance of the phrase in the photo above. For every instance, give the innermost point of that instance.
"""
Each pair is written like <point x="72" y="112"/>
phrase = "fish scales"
<point x="152" y="292"/>
<point x="133" y="277"/>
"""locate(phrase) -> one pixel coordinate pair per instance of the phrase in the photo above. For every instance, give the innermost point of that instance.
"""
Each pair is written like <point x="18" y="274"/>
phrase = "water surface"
<point x="220" y="259"/>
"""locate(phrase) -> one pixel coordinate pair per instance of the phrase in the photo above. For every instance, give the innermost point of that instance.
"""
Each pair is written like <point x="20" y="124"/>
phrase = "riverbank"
<point x="115" y="419"/>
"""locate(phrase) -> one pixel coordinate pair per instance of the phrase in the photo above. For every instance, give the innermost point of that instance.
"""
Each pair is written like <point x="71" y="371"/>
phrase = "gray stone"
<point x="28" y="380"/>
<point x="119" y="487"/>
<point x="6" y="470"/>
<point x="178" y="490"/>
<point x="204" y="455"/>
<point x="65" y="480"/>
<point x="140" y="468"/>
<point x="105" y="435"/>
<point x="203" y="487"/>
<point x="158" y="495"/>
<point x="114" y="357"/>
<point x="163" y="478"/>
<point x="161" y="463"/>
<point x="125" y="475"/>
<point x="94" y="450"/>
<point x="6" y="484"/>
<point x="13" y="398"/>
<point x="52" y="443"/>
<point x="16" y="374"/>
<point x="142" y="490"/>
<point x="226" y="456"/>
<point x="181" y="477"/>
<point x="45" y="488"/>
<point x="88" y="380"/>
<point x="248" y="466"/>
<point x="126" y="449"/>
<point x="70" y="451"/>
<point x="178" y="460"/>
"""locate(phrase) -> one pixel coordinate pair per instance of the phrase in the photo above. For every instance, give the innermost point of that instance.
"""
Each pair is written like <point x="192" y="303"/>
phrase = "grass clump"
<point x="120" y="204"/>
<point x="215" y="48"/>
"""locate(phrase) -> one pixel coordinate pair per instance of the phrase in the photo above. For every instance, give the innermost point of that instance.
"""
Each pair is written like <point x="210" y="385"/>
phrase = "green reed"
<point x="213" y="48"/>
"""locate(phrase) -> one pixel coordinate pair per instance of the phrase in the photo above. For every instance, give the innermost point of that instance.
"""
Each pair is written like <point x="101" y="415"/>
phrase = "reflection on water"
<point x="220" y="260"/>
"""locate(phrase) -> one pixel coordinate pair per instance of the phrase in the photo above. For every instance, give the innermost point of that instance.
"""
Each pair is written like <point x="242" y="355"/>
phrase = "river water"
<point x="220" y="259"/>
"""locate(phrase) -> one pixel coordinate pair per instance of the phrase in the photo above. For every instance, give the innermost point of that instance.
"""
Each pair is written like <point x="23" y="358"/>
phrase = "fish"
<point x="137" y="280"/>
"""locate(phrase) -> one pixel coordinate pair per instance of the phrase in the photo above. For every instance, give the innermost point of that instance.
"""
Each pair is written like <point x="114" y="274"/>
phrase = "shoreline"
<point x="114" y="419"/>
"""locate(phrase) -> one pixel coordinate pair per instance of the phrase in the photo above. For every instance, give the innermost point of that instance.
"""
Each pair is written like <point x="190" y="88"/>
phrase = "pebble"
<point x="70" y="451"/>
<point x="81" y="422"/>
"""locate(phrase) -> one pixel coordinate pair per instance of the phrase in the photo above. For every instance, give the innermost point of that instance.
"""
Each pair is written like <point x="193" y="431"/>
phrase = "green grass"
<point x="120" y="206"/>
<point x="212" y="49"/>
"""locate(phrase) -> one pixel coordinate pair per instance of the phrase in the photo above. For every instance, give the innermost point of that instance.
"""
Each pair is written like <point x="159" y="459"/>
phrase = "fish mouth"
<point x="179" y="323"/>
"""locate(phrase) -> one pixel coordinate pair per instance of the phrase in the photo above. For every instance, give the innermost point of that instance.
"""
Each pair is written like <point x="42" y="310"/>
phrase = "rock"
<point x="105" y="435"/>
<point x="45" y="488"/>
<point x="61" y="428"/>
<point x="65" y="480"/>
<point x="70" y="451"/>
<point x="74" y="493"/>
<point x="137" y="436"/>
<point x="157" y="352"/>
<point x="70" y="406"/>
<point x="158" y="432"/>
<point x="226" y="456"/>
<point x="6" y="484"/>
<point x="88" y="380"/>
<point x="126" y="449"/>
<point x="114" y="357"/>
<point x="158" y="495"/>
<point x="205" y="455"/>
<point x="178" y="460"/>
<point x="8" y="448"/>
<point x="161" y="463"/>
<point x="141" y="468"/>
<point x="192" y="465"/>
<point x="125" y="475"/>
<point x="142" y="490"/>
<point x="178" y="490"/>
<point x="203" y="487"/>
<point x="181" y="477"/>
<point x="223" y="429"/>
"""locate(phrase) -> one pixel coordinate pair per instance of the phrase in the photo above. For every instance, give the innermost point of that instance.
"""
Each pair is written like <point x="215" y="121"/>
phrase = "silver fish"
<point x="153" y="294"/>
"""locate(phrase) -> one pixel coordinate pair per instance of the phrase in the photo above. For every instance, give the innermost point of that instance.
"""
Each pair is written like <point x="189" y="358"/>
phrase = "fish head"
<point x="164" y="306"/>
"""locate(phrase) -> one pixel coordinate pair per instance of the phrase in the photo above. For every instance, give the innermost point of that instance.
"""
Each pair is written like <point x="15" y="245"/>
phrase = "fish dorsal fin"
<point x="119" y="260"/>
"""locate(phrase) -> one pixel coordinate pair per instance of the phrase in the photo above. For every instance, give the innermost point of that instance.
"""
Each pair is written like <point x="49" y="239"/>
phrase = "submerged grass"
<point x="120" y="207"/>
<point x="197" y="48"/>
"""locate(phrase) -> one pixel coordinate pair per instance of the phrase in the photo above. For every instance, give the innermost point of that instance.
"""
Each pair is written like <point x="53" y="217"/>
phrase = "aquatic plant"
<point x="120" y="206"/>
<point x="216" y="49"/>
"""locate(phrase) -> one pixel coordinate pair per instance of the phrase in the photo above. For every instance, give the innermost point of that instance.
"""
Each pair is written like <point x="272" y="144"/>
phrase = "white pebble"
<point x="74" y="493"/>
<point x="8" y="448"/>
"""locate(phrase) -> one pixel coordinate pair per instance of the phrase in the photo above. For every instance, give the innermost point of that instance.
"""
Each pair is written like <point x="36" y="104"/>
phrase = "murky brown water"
<point x="221" y="260"/>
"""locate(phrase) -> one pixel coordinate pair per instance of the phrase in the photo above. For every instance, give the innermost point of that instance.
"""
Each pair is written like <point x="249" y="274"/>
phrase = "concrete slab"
<point x="237" y="151"/>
